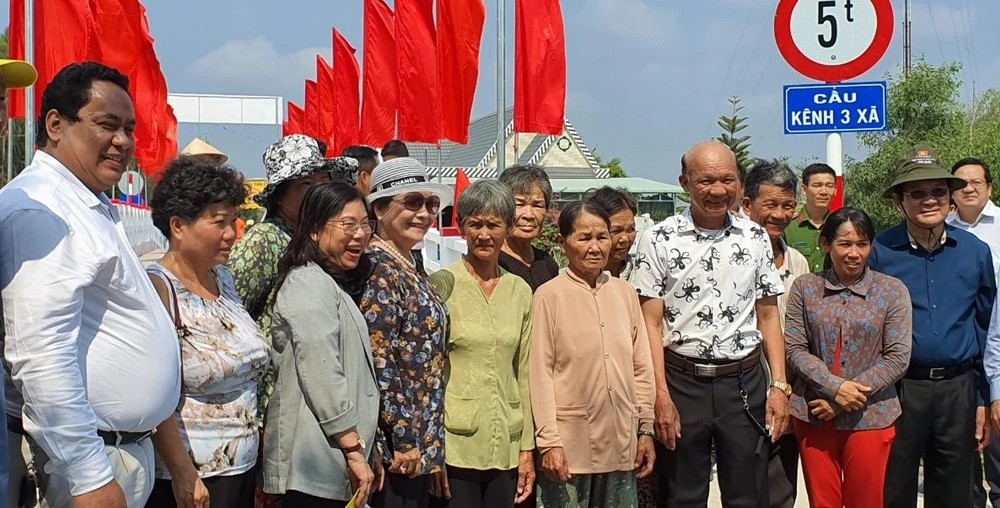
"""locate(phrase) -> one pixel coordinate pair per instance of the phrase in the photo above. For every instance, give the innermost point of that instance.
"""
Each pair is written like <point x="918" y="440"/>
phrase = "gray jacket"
<point x="325" y="384"/>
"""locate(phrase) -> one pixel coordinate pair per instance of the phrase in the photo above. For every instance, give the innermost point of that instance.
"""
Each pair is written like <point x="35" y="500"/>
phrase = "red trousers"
<point x="843" y="468"/>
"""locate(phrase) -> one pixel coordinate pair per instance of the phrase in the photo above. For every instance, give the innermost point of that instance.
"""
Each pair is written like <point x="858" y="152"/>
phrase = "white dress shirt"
<point x="88" y="341"/>
<point x="710" y="282"/>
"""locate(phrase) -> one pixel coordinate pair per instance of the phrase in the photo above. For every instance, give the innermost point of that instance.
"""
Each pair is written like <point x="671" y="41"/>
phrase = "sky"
<point x="646" y="78"/>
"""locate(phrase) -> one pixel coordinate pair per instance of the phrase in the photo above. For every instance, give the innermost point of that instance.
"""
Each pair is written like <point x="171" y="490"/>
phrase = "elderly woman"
<point x="212" y="442"/>
<point x="591" y="374"/>
<point x="487" y="411"/>
<point x="621" y="207"/>
<point x="532" y="199"/>
<point x="320" y="435"/>
<point x="848" y="333"/>
<point x="408" y="328"/>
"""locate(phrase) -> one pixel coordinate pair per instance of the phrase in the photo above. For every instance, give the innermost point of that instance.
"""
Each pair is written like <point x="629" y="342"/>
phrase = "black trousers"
<point x="472" y="488"/>
<point x="299" y="500"/>
<point x="991" y="460"/>
<point x="783" y="472"/>
<point x="401" y="491"/>
<point x="235" y="491"/>
<point x="711" y="410"/>
<point x="938" y="425"/>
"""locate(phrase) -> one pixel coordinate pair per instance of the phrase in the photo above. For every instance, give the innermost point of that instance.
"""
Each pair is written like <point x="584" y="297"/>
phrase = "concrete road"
<point x="801" y="500"/>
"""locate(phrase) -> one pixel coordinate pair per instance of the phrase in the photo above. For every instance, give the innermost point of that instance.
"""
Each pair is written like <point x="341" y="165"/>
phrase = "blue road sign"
<point x="845" y="107"/>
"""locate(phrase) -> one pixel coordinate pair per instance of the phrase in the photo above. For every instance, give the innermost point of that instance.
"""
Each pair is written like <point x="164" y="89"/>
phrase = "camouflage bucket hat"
<point x="918" y="164"/>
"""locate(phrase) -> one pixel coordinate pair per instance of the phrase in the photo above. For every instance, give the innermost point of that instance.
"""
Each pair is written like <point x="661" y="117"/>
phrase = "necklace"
<point x="407" y="260"/>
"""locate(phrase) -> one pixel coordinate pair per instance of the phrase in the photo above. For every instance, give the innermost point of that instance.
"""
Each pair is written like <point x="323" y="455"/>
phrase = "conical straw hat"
<point x="199" y="147"/>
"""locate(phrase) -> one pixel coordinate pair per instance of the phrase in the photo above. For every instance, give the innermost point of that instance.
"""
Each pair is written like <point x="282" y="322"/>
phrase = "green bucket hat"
<point x="918" y="164"/>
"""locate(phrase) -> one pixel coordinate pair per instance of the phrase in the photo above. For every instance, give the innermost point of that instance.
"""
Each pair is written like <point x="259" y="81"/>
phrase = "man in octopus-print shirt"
<point x="709" y="288"/>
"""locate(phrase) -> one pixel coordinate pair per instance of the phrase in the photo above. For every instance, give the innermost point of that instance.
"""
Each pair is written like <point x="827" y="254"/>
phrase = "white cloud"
<point x="256" y="66"/>
<point x="630" y="19"/>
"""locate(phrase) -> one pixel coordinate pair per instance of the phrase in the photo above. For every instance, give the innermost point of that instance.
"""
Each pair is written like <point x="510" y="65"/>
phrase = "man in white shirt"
<point x="92" y="351"/>
<point x="978" y="215"/>
<point x="708" y="287"/>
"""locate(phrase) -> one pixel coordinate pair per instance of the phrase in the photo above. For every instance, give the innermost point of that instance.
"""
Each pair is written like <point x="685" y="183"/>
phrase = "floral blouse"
<point x="223" y="354"/>
<point x="254" y="264"/>
<point x="408" y="324"/>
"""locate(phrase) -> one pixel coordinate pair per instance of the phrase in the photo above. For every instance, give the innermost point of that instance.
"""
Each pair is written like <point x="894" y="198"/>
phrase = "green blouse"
<point x="487" y="406"/>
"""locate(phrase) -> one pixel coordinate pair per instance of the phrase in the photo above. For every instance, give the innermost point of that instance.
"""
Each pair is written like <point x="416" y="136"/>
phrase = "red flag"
<point x="419" y="105"/>
<point x="64" y="34"/>
<point x="460" y="34"/>
<point x="296" y="117"/>
<point x="156" y="125"/>
<point x="378" y="111"/>
<point x="15" y="50"/>
<point x="119" y="33"/>
<point x="327" y="115"/>
<point x="539" y="67"/>
<point x="347" y="95"/>
<point x="461" y="183"/>
<point x="311" y="125"/>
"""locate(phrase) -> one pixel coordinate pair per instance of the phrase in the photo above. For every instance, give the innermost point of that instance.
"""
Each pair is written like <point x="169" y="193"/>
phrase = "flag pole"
<point x="29" y="93"/>
<point x="10" y="149"/>
<point x="501" y="88"/>
<point x="440" y="170"/>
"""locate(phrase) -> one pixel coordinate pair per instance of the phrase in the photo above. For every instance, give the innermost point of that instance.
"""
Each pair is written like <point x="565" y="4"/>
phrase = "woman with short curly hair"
<point x="209" y="449"/>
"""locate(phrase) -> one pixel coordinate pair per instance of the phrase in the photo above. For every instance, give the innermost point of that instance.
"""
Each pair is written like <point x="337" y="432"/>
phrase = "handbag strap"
<point x="172" y="306"/>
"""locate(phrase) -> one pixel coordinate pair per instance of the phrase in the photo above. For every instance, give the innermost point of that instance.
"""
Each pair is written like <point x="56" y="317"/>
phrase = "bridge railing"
<point x="138" y="223"/>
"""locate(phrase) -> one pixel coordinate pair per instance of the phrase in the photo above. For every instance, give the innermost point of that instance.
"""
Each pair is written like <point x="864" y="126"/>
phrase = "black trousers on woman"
<point x="234" y="491"/>
<point x="401" y="491"/>
<point x="473" y="488"/>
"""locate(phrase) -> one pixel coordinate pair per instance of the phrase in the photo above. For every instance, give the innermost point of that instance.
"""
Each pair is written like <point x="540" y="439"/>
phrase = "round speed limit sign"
<point x="833" y="40"/>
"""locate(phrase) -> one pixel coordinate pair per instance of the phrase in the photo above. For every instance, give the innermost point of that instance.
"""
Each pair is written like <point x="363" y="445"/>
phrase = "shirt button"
<point x="933" y="306"/>
<point x="602" y="324"/>
<point x="607" y="356"/>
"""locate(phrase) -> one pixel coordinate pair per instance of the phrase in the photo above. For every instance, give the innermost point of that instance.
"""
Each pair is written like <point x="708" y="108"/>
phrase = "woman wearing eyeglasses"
<point x="408" y="325"/>
<point x="323" y="414"/>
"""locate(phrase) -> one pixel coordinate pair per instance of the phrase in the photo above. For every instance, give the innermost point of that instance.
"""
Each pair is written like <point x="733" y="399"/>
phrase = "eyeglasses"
<point x="976" y="183"/>
<point x="920" y="195"/>
<point x="414" y="202"/>
<point x="351" y="226"/>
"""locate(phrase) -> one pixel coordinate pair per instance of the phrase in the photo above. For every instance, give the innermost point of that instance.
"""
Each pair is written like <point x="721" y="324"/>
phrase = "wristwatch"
<point x="360" y="447"/>
<point x="646" y="433"/>
<point x="783" y="386"/>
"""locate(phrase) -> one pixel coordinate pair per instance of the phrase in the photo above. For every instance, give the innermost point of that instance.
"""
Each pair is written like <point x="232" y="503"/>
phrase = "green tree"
<point x="614" y="166"/>
<point x="732" y="129"/>
<point x="924" y="109"/>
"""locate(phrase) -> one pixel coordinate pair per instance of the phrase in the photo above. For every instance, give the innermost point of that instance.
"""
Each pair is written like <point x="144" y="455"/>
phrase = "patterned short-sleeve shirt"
<point x="709" y="281"/>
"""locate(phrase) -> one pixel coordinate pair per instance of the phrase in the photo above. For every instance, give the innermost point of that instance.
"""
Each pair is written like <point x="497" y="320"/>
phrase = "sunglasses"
<point x="414" y="202"/>
<point x="920" y="195"/>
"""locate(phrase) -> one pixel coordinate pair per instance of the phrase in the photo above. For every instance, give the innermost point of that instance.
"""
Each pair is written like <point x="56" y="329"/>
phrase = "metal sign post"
<point x="833" y="41"/>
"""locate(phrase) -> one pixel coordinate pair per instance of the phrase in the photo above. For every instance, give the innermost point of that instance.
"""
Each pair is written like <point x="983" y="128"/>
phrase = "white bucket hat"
<point x="406" y="174"/>
<point x="296" y="156"/>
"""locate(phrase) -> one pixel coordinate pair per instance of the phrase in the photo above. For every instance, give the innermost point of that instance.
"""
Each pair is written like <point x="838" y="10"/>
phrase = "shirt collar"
<point x="915" y="245"/>
<point x="81" y="190"/>
<point x="685" y="223"/>
<point x="860" y="287"/>
<point x="803" y="217"/>
<point x="899" y="236"/>
<point x="601" y="279"/>
<point x="990" y="211"/>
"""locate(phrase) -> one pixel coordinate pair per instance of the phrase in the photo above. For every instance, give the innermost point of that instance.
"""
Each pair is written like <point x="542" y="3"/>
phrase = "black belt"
<point x="705" y="368"/>
<point x="938" y="373"/>
<point x="110" y="437"/>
